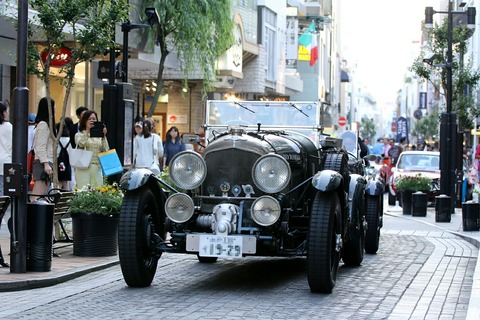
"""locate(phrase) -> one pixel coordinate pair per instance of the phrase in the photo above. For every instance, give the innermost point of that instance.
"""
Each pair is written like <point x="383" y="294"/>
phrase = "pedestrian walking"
<point x="63" y="152"/>
<point x="76" y="127"/>
<point x="172" y="145"/>
<point x="378" y="147"/>
<point x="148" y="148"/>
<point x="43" y="147"/>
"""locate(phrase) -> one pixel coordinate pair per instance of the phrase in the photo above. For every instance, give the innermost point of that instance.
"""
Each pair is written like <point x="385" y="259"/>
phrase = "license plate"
<point x="220" y="246"/>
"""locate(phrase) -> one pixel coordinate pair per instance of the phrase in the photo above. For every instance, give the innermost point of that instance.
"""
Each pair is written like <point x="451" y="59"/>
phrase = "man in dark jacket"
<point x="397" y="149"/>
<point x="80" y="110"/>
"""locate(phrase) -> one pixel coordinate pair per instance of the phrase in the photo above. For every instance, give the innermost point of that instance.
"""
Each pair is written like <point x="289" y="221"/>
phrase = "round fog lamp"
<point x="179" y="207"/>
<point x="265" y="211"/>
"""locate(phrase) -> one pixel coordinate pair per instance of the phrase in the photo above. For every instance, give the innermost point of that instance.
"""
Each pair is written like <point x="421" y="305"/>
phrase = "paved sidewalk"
<point x="68" y="266"/>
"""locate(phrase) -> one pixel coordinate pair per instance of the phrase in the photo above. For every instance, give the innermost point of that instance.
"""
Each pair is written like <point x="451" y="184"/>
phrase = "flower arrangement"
<point x="103" y="200"/>
<point x="414" y="183"/>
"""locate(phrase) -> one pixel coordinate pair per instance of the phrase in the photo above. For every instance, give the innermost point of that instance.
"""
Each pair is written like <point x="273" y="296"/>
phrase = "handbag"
<point x="81" y="158"/>
<point x="30" y="159"/>
<point x="154" y="167"/>
<point x="110" y="162"/>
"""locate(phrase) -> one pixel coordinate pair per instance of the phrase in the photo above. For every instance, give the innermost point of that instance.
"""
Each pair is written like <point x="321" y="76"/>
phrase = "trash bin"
<point x="443" y="208"/>
<point x="470" y="215"/>
<point x="39" y="235"/>
<point x="419" y="204"/>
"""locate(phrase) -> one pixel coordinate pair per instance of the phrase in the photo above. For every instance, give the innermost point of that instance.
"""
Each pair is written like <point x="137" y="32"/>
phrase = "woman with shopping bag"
<point x="148" y="148"/>
<point x="91" y="173"/>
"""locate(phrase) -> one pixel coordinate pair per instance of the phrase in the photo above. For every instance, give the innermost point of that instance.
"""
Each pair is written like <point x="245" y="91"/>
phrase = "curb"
<point x="474" y="301"/>
<point x="19" y="285"/>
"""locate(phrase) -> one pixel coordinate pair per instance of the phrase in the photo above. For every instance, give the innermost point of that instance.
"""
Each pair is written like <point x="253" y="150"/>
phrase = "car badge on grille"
<point x="236" y="190"/>
<point x="225" y="187"/>
<point x="248" y="189"/>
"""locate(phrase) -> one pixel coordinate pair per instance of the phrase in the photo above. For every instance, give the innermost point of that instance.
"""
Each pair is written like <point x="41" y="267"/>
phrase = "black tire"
<point x="138" y="228"/>
<point x="338" y="162"/>
<point x="323" y="254"/>
<point x="372" y="237"/>
<point x="207" y="259"/>
<point x="354" y="249"/>
<point x="391" y="199"/>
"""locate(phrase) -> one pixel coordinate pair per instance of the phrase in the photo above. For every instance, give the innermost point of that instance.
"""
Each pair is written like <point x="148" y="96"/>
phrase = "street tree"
<point x="465" y="78"/>
<point x="367" y="128"/>
<point x="198" y="31"/>
<point x="63" y="34"/>
<point x="427" y="127"/>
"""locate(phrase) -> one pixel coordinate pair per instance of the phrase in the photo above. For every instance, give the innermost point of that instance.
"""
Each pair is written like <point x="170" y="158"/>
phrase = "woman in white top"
<point x="43" y="146"/>
<point x="147" y="148"/>
<point x="5" y="142"/>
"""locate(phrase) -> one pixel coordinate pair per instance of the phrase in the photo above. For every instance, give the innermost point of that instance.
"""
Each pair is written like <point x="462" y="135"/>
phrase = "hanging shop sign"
<point x="59" y="58"/>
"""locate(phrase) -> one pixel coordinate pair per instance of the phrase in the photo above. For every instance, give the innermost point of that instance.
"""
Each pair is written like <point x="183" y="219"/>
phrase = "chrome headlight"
<point x="271" y="173"/>
<point x="187" y="170"/>
<point x="265" y="211"/>
<point x="179" y="207"/>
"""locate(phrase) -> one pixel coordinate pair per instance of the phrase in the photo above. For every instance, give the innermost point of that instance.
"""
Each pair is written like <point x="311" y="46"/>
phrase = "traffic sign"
<point x="342" y="121"/>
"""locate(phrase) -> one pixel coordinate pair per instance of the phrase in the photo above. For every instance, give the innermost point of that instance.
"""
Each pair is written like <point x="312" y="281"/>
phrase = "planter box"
<point x="95" y="235"/>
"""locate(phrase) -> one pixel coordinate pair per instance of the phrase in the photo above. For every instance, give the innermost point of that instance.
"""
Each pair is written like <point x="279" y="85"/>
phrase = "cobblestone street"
<point x="417" y="274"/>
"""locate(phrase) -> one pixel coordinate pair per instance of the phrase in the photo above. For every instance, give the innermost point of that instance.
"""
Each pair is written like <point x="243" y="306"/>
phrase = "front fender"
<point x="354" y="180"/>
<point x="135" y="178"/>
<point x="327" y="180"/>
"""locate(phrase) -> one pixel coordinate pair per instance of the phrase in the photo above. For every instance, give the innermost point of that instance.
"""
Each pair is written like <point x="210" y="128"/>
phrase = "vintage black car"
<point x="268" y="183"/>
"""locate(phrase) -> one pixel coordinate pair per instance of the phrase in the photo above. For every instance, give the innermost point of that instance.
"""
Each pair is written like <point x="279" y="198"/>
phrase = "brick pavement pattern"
<point x="415" y="275"/>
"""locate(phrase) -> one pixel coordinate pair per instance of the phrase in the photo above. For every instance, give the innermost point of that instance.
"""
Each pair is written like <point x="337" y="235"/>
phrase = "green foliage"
<point x="199" y="31"/>
<point x="367" y="128"/>
<point x="463" y="74"/>
<point x="103" y="200"/>
<point x="413" y="183"/>
<point x="427" y="127"/>
<point x="86" y="27"/>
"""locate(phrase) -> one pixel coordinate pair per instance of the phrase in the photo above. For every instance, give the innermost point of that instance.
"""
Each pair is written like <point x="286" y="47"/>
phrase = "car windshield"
<point x="422" y="162"/>
<point x="299" y="116"/>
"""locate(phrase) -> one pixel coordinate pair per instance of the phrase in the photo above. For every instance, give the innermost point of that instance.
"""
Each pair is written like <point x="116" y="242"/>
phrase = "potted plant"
<point x="407" y="185"/>
<point x="95" y="216"/>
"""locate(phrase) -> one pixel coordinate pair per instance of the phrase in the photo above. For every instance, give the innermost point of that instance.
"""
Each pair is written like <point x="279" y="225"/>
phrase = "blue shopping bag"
<point x="110" y="162"/>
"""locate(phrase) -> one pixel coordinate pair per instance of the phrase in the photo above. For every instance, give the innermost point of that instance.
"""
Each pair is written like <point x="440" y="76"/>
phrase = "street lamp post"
<point x="152" y="18"/>
<point x="448" y="131"/>
<point x="117" y="107"/>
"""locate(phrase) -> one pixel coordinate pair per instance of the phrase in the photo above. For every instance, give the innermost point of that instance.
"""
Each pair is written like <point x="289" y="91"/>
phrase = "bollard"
<point x="419" y="204"/>
<point x="442" y="208"/>
<point x="39" y="235"/>
<point x="470" y="215"/>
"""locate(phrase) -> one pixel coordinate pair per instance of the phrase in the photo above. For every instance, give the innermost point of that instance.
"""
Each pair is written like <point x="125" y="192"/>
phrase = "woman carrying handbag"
<point x="92" y="175"/>
<point x="147" y="148"/>
<point x="43" y="147"/>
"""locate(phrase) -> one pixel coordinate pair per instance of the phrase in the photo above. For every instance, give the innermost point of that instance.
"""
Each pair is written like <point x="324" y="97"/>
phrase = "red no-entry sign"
<point x="342" y="121"/>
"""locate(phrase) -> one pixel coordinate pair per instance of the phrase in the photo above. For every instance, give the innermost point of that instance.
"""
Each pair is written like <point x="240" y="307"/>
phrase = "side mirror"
<point x="191" y="138"/>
